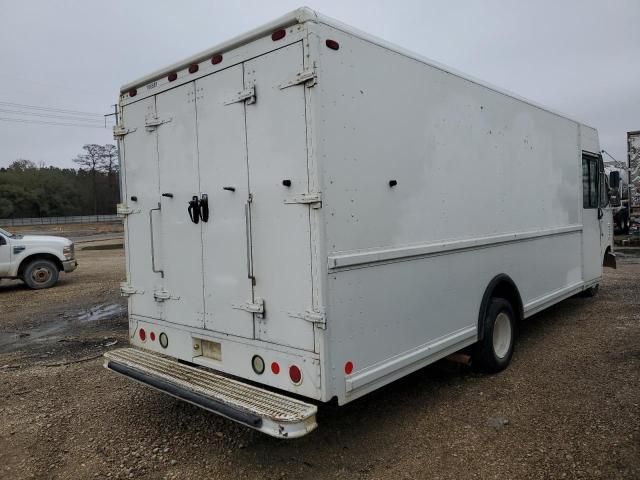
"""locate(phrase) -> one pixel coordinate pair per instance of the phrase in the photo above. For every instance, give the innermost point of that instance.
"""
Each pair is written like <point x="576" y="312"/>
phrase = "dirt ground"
<point x="568" y="406"/>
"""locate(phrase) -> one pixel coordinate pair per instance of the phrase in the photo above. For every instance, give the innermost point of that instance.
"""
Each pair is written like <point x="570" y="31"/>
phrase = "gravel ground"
<point x="568" y="406"/>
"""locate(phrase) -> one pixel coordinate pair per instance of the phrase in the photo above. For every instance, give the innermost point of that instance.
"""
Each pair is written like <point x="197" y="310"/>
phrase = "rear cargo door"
<point x="228" y="293"/>
<point x="278" y="178"/>
<point x="140" y="179"/>
<point x="178" y="237"/>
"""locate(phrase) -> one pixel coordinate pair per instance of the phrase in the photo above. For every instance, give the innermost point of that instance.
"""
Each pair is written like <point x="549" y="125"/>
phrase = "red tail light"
<point x="142" y="334"/>
<point x="193" y="68"/>
<point x="133" y="92"/>
<point x="275" y="368"/>
<point x="348" y="368"/>
<point x="295" y="374"/>
<point x="172" y="76"/>
<point x="216" y="59"/>
<point x="152" y="336"/>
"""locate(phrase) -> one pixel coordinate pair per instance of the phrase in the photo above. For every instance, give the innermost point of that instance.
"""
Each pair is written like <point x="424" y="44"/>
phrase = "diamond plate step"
<point x="269" y="412"/>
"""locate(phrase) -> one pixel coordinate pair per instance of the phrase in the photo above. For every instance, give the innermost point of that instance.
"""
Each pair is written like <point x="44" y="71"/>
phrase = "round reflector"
<point x="348" y="368"/>
<point x="216" y="59"/>
<point x="193" y="68"/>
<point x="278" y="35"/>
<point x="332" y="44"/>
<point x="142" y="334"/>
<point x="152" y="336"/>
<point x="295" y="374"/>
<point x="275" y="368"/>
<point x="133" y="92"/>
<point x="257" y="363"/>
<point x="164" y="340"/>
<point x="172" y="76"/>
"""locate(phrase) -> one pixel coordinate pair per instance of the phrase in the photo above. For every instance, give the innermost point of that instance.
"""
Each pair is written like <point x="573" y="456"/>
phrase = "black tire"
<point x="591" y="291"/>
<point x="40" y="273"/>
<point x="494" y="356"/>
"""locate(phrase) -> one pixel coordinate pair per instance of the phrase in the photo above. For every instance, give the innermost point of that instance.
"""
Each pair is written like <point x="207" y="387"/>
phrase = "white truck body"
<point x="333" y="242"/>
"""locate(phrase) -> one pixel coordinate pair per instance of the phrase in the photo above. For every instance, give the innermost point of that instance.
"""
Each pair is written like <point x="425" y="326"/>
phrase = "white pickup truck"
<point x="35" y="259"/>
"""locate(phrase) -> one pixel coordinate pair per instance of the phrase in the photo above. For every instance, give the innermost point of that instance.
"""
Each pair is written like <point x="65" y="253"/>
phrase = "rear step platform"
<point x="269" y="412"/>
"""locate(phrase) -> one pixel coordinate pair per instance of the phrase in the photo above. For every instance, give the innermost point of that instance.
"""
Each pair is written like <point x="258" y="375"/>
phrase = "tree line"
<point x="28" y="189"/>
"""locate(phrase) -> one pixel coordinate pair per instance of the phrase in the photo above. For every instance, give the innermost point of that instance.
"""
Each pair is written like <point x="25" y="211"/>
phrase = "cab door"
<point x="5" y="255"/>
<point x="591" y="218"/>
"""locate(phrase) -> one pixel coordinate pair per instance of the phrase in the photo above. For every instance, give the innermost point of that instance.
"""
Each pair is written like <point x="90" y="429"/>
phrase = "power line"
<point x="43" y="122"/>
<point x="64" y="117"/>
<point x="51" y="109"/>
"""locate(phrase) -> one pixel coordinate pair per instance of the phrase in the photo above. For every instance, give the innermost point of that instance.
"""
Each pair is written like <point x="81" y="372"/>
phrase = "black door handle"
<point x="194" y="209"/>
<point x="204" y="207"/>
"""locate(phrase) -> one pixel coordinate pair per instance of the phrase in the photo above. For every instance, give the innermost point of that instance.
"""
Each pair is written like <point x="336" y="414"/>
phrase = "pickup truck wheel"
<point x="40" y="273"/>
<point x="493" y="353"/>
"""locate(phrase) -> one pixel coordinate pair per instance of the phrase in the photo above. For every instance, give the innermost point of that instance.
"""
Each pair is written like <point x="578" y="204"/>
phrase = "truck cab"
<point x="37" y="260"/>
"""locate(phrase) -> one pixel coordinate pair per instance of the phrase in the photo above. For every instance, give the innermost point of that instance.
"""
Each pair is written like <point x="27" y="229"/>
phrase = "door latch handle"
<point x="194" y="209"/>
<point x="204" y="207"/>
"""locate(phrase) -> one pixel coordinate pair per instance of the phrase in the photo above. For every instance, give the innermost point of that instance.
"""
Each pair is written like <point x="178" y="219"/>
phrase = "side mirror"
<point x="614" y="180"/>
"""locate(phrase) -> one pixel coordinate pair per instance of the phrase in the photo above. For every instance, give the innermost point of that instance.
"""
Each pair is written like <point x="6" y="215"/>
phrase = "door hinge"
<point x="256" y="307"/>
<point x="308" y="77"/>
<point x="248" y="96"/>
<point x="163" y="295"/>
<point x="313" y="199"/>
<point x="319" y="319"/>
<point x="126" y="289"/>
<point x="151" y="123"/>
<point x="120" y="131"/>
<point x="122" y="210"/>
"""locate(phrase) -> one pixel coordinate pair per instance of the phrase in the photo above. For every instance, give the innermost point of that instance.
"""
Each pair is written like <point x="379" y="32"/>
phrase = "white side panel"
<point x="468" y="164"/>
<point x="140" y="164"/>
<point x="179" y="238"/>
<point x="276" y="140"/>
<point x="468" y="161"/>
<point x="381" y="312"/>
<point x="223" y="164"/>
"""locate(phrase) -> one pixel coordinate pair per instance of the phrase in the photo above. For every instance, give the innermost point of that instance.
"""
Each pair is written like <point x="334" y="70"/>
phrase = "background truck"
<point x="290" y="232"/>
<point x="35" y="259"/>
<point x="633" y="153"/>
<point x="617" y="175"/>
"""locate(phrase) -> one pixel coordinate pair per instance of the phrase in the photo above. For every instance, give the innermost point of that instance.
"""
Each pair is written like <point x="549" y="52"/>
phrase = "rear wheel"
<point x="493" y="353"/>
<point x="40" y="273"/>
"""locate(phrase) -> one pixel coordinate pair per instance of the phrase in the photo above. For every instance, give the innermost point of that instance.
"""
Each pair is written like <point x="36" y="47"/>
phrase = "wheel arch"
<point x="501" y="286"/>
<point x="46" y="256"/>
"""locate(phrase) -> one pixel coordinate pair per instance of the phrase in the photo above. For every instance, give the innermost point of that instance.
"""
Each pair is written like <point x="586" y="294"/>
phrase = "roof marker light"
<point x="332" y="44"/>
<point x="216" y="59"/>
<point x="172" y="76"/>
<point x="278" y="35"/>
<point x="193" y="68"/>
<point x="133" y="92"/>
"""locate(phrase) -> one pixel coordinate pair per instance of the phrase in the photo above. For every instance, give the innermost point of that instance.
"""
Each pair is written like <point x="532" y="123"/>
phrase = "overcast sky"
<point x="578" y="57"/>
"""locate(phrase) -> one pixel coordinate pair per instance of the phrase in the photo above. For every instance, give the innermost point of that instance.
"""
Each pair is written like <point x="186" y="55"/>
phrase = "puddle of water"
<point x="55" y="329"/>
<point x="101" y="312"/>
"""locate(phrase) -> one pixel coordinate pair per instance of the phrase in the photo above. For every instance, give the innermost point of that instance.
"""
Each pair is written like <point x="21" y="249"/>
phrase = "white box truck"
<point x="291" y="236"/>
